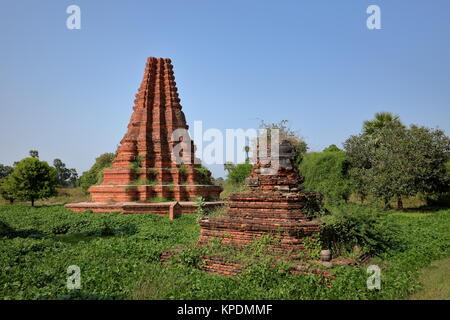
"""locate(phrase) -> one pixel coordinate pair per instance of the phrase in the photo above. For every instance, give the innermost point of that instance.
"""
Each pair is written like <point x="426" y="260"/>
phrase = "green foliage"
<point x="183" y="173"/>
<point x="357" y="226"/>
<point x="5" y="171"/>
<point x="230" y="188"/>
<point x="34" y="154"/>
<point x="313" y="205"/>
<point x="95" y="174"/>
<point x="200" y="204"/>
<point x="142" y="182"/>
<point x="7" y="190"/>
<point x="380" y="121"/>
<point x="137" y="162"/>
<point x="203" y="175"/>
<point x="126" y="265"/>
<point x="66" y="177"/>
<point x="332" y="148"/>
<point x="395" y="161"/>
<point x="160" y="199"/>
<point x="327" y="173"/>
<point x="32" y="180"/>
<point x="6" y="230"/>
<point x="114" y="251"/>
<point x="239" y="172"/>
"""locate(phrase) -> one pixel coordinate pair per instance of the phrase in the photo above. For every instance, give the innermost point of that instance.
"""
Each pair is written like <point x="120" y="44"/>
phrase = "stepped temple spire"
<point x="146" y="166"/>
<point x="156" y="114"/>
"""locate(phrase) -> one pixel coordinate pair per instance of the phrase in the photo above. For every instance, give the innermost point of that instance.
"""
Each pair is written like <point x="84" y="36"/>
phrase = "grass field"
<point x="436" y="281"/>
<point x="119" y="259"/>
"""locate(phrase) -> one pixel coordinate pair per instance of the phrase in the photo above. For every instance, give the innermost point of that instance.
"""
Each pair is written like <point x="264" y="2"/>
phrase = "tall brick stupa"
<point x="144" y="168"/>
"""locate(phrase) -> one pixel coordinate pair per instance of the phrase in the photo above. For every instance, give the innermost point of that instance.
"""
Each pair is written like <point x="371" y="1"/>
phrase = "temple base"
<point x="160" y="208"/>
<point x="131" y="193"/>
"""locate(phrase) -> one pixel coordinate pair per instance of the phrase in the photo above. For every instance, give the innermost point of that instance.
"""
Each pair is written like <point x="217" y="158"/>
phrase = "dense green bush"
<point x="327" y="173"/>
<point x="358" y="226"/>
<point x="95" y="174"/>
<point x="239" y="172"/>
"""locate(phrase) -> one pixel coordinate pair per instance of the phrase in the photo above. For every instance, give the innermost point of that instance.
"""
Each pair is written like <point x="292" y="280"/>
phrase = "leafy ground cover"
<point x="119" y="259"/>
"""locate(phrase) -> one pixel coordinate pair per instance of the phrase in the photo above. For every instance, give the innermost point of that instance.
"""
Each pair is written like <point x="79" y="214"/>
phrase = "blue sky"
<point x="69" y="93"/>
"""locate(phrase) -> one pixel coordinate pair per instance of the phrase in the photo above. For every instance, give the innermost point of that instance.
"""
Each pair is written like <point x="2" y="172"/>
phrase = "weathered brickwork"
<point x="144" y="167"/>
<point x="276" y="205"/>
<point x="161" y="208"/>
<point x="145" y="152"/>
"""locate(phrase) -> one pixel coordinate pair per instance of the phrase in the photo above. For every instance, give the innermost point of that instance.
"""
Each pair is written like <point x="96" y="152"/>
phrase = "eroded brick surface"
<point x="276" y="205"/>
<point x="144" y="167"/>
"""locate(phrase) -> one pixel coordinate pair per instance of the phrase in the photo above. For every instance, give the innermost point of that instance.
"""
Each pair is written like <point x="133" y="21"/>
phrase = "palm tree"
<point x="381" y="120"/>
<point x="247" y="149"/>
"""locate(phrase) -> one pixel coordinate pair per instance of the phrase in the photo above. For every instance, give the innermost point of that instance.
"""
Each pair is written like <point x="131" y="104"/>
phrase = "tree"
<point x="33" y="179"/>
<point x="66" y="177"/>
<point x="95" y="174"/>
<point x="247" y="150"/>
<point x="7" y="190"/>
<point x="381" y="120"/>
<point x="398" y="162"/>
<point x="5" y="171"/>
<point x="73" y="180"/>
<point x="34" y="154"/>
<point x="328" y="173"/>
<point x="431" y="149"/>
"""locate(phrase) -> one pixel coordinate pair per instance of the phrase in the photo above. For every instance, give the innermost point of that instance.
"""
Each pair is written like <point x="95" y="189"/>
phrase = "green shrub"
<point x="203" y="175"/>
<point x="137" y="162"/>
<point x="238" y="173"/>
<point x="354" y="226"/>
<point x="327" y="173"/>
<point x="313" y="205"/>
<point x="95" y="174"/>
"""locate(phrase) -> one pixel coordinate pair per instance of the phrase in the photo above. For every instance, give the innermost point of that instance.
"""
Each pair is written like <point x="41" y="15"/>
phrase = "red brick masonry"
<point x="161" y="208"/>
<point x="276" y="205"/>
<point x="145" y="167"/>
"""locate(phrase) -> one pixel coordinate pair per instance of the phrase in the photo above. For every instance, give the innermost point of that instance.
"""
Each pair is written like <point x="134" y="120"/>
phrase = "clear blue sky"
<point x="69" y="93"/>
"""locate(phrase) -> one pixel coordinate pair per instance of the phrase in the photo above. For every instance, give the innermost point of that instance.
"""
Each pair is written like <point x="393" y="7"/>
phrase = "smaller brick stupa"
<point x="147" y="167"/>
<point x="276" y="205"/>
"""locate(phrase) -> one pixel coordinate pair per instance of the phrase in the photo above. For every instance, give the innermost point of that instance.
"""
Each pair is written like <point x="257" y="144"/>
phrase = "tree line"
<point x="31" y="179"/>
<point x="386" y="161"/>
